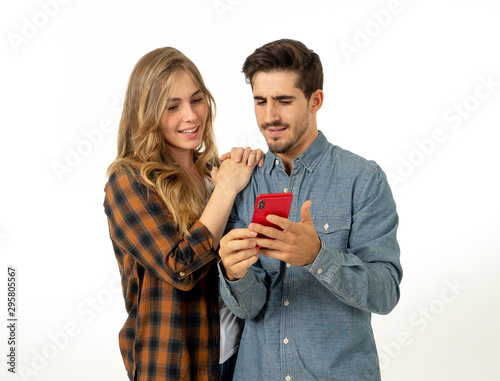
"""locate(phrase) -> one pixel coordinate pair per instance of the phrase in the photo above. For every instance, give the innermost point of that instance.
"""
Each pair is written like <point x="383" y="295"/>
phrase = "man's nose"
<point x="271" y="115"/>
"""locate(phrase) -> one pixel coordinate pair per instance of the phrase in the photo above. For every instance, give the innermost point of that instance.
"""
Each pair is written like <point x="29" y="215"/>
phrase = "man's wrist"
<point x="225" y="273"/>
<point x="315" y="256"/>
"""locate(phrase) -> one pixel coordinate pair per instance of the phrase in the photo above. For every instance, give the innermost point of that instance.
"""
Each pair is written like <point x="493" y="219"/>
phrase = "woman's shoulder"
<point x="125" y="174"/>
<point x="128" y="168"/>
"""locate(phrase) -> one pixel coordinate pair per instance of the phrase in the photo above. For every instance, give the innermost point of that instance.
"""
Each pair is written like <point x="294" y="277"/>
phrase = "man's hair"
<point x="287" y="55"/>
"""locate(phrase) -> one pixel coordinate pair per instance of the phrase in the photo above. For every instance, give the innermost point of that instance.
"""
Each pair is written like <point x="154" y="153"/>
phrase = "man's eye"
<point x="286" y="102"/>
<point x="260" y="103"/>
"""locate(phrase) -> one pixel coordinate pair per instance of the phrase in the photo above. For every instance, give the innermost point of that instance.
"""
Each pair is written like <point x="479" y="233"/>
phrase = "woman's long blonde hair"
<point x="140" y="140"/>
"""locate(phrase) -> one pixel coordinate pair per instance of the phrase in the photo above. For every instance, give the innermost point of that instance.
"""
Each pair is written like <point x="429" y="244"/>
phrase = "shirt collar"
<point x="309" y="158"/>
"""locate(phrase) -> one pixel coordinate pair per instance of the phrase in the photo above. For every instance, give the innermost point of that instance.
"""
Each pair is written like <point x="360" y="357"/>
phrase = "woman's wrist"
<point x="225" y="191"/>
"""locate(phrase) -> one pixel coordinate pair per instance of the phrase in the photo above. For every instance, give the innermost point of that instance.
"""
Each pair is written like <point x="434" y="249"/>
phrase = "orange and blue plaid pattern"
<point x="170" y="286"/>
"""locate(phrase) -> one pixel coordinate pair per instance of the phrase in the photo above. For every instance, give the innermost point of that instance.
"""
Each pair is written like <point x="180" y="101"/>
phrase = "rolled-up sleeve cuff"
<point x="238" y="286"/>
<point x="326" y="264"/>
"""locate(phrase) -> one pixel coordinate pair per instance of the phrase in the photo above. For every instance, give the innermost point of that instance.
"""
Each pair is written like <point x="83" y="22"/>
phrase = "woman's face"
<point x="183" y="121"/>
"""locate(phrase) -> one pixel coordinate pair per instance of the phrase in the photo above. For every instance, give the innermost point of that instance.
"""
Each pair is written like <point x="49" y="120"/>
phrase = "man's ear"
<point x="316" y="100"/>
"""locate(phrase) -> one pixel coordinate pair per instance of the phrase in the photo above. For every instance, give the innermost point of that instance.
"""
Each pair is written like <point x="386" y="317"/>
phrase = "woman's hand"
<point x="237" y="154"/>
<point x="234" y="175"/>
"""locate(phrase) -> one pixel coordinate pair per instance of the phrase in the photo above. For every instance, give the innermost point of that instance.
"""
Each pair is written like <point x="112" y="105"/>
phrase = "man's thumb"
<point x="305" y="212"/>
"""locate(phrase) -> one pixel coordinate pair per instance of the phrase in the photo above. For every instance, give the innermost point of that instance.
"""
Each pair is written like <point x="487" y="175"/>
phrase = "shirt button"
<point x="182" y="273"/>
<point x="286" y="303"/>
<point x="285" y="341"/>
<point x="285" y="190"/>
<point x="326" y="226"/>
<point x="320" y="271"/>
<point x="288" y="265"/>
<point x="277" y="162"/>
<point x="288" y="378"/>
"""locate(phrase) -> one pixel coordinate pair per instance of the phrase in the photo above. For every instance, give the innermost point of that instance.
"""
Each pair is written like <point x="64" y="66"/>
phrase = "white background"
<point x="397" y="74"/>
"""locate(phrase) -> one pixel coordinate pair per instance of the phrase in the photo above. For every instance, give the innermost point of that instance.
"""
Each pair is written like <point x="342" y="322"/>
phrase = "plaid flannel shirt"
<point x="170" y="286"/>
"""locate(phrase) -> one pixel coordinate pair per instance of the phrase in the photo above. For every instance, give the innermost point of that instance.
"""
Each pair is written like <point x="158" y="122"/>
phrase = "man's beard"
<point x="277" y="146"/>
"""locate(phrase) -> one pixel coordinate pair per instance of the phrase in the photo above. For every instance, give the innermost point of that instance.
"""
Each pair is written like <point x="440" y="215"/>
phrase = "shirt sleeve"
<point x="140" y="224"/>
<point x="245" y="297"/>
<point x="368" y="275"/>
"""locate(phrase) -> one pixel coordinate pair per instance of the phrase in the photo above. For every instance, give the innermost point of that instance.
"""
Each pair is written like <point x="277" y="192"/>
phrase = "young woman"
<point x="167" y="200"/>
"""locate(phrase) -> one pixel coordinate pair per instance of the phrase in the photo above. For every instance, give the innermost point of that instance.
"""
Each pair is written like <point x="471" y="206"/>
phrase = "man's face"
<point x="282" y="112"/>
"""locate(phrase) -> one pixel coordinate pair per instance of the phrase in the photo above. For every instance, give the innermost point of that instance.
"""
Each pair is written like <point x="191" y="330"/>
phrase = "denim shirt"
<point x="314" y="322"/>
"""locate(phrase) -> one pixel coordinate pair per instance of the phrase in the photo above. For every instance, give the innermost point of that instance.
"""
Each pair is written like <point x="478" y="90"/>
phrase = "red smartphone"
<point x="271" y="203"/>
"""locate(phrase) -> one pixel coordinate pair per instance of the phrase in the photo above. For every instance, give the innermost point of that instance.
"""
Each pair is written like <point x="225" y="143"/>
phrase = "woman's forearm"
<point x="216" y="213"/>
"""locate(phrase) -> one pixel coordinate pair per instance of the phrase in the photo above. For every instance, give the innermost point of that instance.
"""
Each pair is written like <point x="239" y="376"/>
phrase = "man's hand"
<point x="238" y="252"/>
<point x="298" y="243"/>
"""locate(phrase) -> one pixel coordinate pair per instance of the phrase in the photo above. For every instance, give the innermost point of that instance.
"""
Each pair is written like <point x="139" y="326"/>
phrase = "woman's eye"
<point x="172" y="108"/>
<point x="197" y="100"/>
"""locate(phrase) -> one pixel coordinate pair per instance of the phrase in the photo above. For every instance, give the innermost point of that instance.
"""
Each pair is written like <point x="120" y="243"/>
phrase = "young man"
<point x="308" y="297"/>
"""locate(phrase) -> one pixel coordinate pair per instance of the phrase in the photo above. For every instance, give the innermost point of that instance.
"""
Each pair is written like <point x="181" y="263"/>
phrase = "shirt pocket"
<point x="333" y="231"/>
